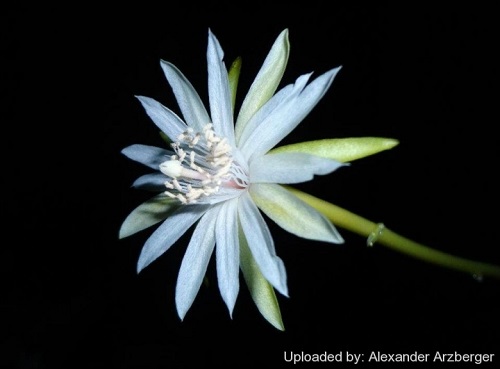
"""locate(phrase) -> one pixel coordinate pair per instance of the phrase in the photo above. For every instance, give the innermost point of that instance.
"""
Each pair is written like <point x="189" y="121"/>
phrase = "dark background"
<point x="70" y="296"/>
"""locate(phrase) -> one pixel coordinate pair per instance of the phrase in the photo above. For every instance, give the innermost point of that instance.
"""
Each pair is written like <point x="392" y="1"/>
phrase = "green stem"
<point x="384" y="236"/>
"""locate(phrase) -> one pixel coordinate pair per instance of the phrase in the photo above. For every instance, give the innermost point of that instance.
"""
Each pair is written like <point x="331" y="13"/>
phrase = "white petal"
<point x="169" y="232"/>
<point x="261" y="115"/>
<point x="195" y="262"/>
<point x="151" y="182"/>
<point x="279" y="103"/>
<point x="189" y="101"/>
<point x="293" y="214"/>
<point x="261" y="243"/>
<point x="228" y="253"/>
<point x="287" y="116"/>
<point x="150" y="156"/>
<point x="266" y="82"/>
<point x="221" y="109"/>
<point x="163" y="117"/>
<point x="289" y="168"/>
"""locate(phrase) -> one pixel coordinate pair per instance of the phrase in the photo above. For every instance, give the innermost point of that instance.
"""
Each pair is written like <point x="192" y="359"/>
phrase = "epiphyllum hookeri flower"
<point x="220" y="172"/>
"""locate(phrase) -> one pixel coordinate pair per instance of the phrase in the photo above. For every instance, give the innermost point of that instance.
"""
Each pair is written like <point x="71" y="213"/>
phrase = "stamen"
<point x="209" y="168"/>
<point x="176" y="184"/>
<point x="182" y="154"/>
<point x="170" y="194"/>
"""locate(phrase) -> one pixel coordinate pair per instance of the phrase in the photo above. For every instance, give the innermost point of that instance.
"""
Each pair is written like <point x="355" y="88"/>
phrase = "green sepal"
<point x="341" y="149"/>
<point x="147" y="214"/>
<point x="260" y="289"/>
<point x="234" y="76"/>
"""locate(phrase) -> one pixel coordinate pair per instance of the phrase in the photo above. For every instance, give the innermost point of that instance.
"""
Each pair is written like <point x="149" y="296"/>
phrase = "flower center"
<point x="203" y="165"/>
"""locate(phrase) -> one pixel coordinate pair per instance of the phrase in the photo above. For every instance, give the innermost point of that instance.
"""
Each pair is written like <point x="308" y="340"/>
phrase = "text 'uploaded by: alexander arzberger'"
<point x="380" y="357"/>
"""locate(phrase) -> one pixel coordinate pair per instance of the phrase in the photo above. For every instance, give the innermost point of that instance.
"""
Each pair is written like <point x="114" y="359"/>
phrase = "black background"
<point x="70" y="296"/>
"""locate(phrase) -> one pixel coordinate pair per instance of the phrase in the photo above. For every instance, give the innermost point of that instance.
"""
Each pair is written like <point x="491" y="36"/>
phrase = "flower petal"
<point x="289" y="168"/>
<point x="266" y="82"/>
<point x="168" y="233"/>
<point x="147" y="214"/>
<point x="260" y="289"/>
<point x="163" y="117"/>
<point x="274" y="103"/>
<point x="151" y="182"/>
<point x="261" y="243"/>
<point x="219" y="93"/>
<point x="195" y="262"/>
<point x="279" y="103"/>
<point x="228" y="252"/>
<point x="192" y="108"/>
<point x="292" y="214"/>
<point x="287" y="116"/>
<point x="150" y="156"/>
<point x="340" y="149"/>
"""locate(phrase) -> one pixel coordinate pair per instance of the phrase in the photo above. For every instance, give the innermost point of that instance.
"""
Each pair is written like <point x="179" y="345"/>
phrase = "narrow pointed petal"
<point x="219" y="93"/>
<point x="279" y="104"/>
<point x="340" y="149"/>
<point x="192" y="108"/>
<point x="150" y="156"/>
<point x="260" y="289"/>
<point x="290" y="168"/>
<point x="195" y="262"/>
<point x="147" y="214"/>
<point x="228" y="253"/>
<point x="266" y="82"/>
<point x="151" y="182"/>
<point x="260" y="116"/>
<point x="261" y="244"/>
<point x="168" y="233"/>
<point x="292" y="214"/>
<point x="165" y="119"/>
<point x="284" y="119"/>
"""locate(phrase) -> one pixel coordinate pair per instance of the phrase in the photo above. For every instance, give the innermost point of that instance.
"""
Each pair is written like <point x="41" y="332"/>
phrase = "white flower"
<point x="221" y="172"/>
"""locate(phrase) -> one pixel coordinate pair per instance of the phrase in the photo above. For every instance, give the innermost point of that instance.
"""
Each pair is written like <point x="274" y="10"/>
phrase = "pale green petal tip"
<point x="146" y="215"/>
<point x="265" y="298"/>
<point x="260" y="289"/>
<point x="269" y="308"/>
<point x="341" y="149"/>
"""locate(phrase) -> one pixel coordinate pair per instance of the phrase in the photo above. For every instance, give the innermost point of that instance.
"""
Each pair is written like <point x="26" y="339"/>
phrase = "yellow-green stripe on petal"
<point x="292" y="214"/>
<point x="341" y="149"/>
<point x="147" y="214"/>
<point x="266" y="82"/>
<point x="233" y="77"/>
<point x="260" y="289"/>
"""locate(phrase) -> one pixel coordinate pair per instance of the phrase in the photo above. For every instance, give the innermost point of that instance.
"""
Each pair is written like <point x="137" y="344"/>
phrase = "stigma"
<point x="202" y="166"/>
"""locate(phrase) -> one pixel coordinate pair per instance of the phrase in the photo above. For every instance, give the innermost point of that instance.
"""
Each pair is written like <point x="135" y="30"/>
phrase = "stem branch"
<point x="384" y="236"/>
